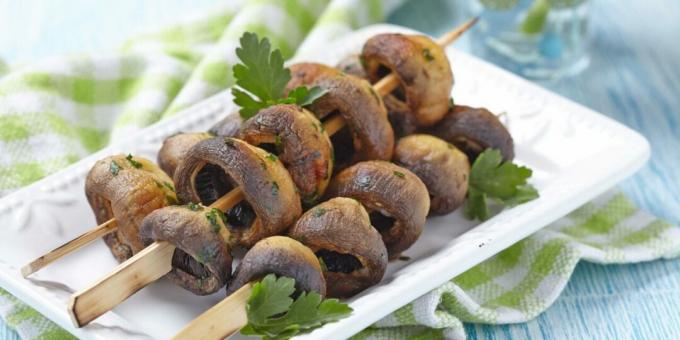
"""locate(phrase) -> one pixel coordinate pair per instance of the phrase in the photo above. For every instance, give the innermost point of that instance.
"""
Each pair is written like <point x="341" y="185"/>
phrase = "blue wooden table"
<point x="634" y="77"/>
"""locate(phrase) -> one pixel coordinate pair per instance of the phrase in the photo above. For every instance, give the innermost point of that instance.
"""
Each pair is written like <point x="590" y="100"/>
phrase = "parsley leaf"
<point x="261" y="78"/>
<point x="273" y="314"/>
<point x="504" y="182"/>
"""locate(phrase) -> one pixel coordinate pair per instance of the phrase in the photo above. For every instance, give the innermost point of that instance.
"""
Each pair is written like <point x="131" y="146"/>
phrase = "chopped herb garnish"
<point x="134" y="163"/>
<point x="194" y="207"/>
<point x="452" y="104"/>
<point x="263" y="165"/>
<point x="427" y="54"/>
<point x="158" y="184"/>
<point x="273" y="314"/>
<point x="324" y="268"/>
<point x="278" y="144"/>
<point x="171" y="199"/>
<point x="399" y="174"/>
<point x="271" y="157"/>
<point x="212" y="216"/>
<point x="114" y="168"/>
<point x="275" y="188"/>
<point x="169" y="186"/>
<point x="318" y="212"/>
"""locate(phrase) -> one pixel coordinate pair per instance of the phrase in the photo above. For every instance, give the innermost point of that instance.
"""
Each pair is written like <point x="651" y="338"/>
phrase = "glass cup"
<point x="539" y="39"/>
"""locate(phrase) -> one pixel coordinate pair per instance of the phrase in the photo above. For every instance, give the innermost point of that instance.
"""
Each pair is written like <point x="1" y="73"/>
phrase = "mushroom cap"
<point x="338" y="229"/>
<point x="127" y="190"/>
<point x="201" y="262"/>
<point x="228" y="126"/>
<point x="282" y="256"/>
<point x="422" y="67"/>
<point x="302" y="144"/>
<point x="230" y="163"/>
<point x="474" y="130"/>
<point x="354" y="98"/>
<point x="175" y="147"/>
<point x="441" y="166"/>
<point x="398" y="112"/>
<point x="387" y="190"/>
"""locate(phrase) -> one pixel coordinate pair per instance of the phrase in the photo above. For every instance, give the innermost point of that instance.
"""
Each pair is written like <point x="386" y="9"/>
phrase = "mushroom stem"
<point x="221" y="320"/>
<point x="155" y="261"/>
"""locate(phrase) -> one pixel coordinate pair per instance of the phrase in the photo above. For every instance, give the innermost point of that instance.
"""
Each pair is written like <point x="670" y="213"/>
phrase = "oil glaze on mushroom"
<point x="282" y="256"/>
<point x="215" y="166"/>
<point x="397" y="200"/>
<point x="352" y="252"/>
<point x="201" y="262"/>
<point x="126" y="188"/>
<point x="441" y="166"/>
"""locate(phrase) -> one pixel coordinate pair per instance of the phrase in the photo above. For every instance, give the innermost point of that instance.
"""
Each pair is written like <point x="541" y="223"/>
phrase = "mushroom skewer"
<point x="278" y="255"/>
<point x="332" y="125"/>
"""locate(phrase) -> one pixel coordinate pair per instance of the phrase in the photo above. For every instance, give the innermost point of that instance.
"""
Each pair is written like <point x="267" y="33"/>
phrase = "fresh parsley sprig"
<point x="273" y="314"/>
<point x="261" y="78"/>
<point x="492" y="178"/>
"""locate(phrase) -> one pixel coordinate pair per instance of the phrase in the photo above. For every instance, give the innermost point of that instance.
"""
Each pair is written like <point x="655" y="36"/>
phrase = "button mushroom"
<point x="397" y="200"/>
<point x="474" y="130"/>
<point x="368" y="134"/>
<point x="282" y="256"/>
<point x="398" y="112"/>
<point x="175" y="147"/>
<point x="127" y="188"/>
<point x="422" y="68"/>
<point x="215" y="166"/>
<point x="228" y="126"/>
<point x="299" y="141"/>
<point x="340" y="234"/>
<point x="201" y="262"/>
<point x="441" y="166"/>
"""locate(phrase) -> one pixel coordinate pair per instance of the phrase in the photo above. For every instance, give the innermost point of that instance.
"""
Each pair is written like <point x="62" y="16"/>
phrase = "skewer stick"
<point x="69" y="247"/>
<point x="212" y="325"/>
<point x="155" y="261"/>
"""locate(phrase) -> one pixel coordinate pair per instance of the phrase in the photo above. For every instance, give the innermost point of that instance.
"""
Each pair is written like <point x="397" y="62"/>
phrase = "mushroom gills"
<point x="211" y="183"/>
<point x="269" y="147"/>
<point x="241" y="216"/>
<point x="343" y="146"/>
<point x="398" y="92"/>
<point x="381" y="222"/>
<point x="184" y="262"/>
<point x="338" y="262"/>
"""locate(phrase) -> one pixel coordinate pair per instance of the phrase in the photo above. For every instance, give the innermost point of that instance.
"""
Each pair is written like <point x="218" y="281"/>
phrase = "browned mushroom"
<point x="228" y="126"/>
<point x="201" y="262"/>
<point x="441" y="166"/>
<point x="175" y="147"/>
<point x="126" y="188"/>
<point x="352" y="253"/>
<point x="368" y="134"/>
<point x="396" y="199"/>
<point x="474" y="130"/>
<point x="299" y="141"/>
<point x="282" y="256"/>
<point x="215" y="166"/>
<point x="422" y="68"/>
<point x="398" y="112"/>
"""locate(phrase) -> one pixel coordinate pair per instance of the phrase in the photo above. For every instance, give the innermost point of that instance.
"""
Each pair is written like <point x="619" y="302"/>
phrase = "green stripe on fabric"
<point x="375" y="10"/>
<point x="208" y="30"/>
<point x="277" y="40"/>
<point x="21" y="174"/>
<point x="428" y="334"/>
<point x="455" y="307"/>
<point x="405" y="316"/>
<point x="521" y="296"/>
<point x="23" y="126"/>
<point x="13" y="127"/>
<point x="340" y="15"/>
<point x="604" y="219"/>
<point x="218" y="74"/>
<point x="493" y="267"/>
<point x="644" y="235"/>
<point x="303" y="18"/>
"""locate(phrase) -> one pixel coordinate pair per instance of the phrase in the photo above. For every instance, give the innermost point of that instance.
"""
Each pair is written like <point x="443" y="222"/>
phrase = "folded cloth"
<point x="55" y="112"/>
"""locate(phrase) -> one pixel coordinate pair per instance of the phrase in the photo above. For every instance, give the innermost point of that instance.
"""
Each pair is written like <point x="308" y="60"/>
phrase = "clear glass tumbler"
<point x="539" y="39"/>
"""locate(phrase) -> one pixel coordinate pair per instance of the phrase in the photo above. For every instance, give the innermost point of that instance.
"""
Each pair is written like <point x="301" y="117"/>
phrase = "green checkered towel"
<point x="58" y="111"/>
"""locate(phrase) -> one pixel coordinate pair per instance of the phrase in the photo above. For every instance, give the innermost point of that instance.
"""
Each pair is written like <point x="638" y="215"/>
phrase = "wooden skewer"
<point x="212" y="325"/>
<point x="155" y="261"/>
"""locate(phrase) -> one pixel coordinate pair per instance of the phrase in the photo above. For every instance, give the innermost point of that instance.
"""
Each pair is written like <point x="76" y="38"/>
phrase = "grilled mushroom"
<point x="175" y="147"/>
<point x="215" y="166"/>
<point x="396" y="199"/>
<point x="299" y="141"/>
<point x="352" y="251"/>
<point x="282" y="256"/>
<point x="127" y="188"/>
<point x="368" y="134"/>
<point x="422" y="68"/>
<point x="441" y="166"/>
<point x="398" y="112"/>
<point x="474" y="130"/>
<point x="201" y="262"/>
<point x="228" y="126"/>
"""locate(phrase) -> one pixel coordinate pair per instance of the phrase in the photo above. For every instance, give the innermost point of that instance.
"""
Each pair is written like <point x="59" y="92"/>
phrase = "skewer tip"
<point x="27" y="270"/>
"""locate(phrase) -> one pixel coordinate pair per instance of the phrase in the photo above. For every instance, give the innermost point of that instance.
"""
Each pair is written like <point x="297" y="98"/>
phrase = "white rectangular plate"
<point x="576" y="154"/>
